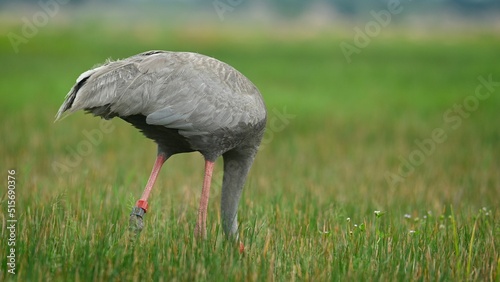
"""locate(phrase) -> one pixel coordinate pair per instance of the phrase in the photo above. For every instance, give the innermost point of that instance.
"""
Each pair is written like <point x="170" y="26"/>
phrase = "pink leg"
<point x="201" y="225"/>
<point x="143" y="202"/>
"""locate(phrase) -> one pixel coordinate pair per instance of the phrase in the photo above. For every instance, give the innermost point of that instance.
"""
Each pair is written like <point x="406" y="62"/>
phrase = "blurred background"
<point x="274" y="10"/>
<point x="373" y="105"/>
<point x="346" y="30"/>
<point x="352" y="88"/>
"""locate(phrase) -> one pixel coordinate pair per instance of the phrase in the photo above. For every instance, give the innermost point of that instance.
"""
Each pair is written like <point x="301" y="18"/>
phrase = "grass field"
<point x="337" y="132"/>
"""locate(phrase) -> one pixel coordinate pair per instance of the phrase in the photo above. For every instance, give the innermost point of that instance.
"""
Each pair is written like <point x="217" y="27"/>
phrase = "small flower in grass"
<point x="407" y="216"/>
<point x="378" y="213"/>
<point x="411" y="232"/>
<point x="485" y="211"/>
<point x="442" y="226"/>
<point x="348" y="219"/>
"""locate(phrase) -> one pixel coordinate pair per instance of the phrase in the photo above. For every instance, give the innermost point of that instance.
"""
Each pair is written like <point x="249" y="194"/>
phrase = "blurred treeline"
<point x="296" y="8"/>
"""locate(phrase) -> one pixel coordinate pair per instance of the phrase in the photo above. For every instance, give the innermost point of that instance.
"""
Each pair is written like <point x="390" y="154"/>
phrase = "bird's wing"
<point x="119" y="88"/>
<point x="208" y="96"/>
<point x="201" y="101"/>
<point x="184" y="91"/>
<point x="196" y="114"/>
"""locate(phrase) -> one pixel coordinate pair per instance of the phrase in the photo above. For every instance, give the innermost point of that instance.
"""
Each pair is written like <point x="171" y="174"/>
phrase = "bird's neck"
<point x="237" y="164"/>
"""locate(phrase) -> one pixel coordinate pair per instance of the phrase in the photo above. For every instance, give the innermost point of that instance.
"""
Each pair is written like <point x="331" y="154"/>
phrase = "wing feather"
<point x="184" y="91"/>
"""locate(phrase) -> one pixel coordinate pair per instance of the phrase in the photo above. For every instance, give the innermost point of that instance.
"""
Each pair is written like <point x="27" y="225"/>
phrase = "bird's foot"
<point x="136" y="222"/>
<point x="241" y="248"/>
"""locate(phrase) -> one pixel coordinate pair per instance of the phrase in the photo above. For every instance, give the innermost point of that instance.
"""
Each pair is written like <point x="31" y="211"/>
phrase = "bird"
<point x="185" y="102"/>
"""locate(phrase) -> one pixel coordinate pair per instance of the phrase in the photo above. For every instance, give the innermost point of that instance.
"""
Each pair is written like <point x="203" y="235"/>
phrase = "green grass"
<point x="307" y="212"/>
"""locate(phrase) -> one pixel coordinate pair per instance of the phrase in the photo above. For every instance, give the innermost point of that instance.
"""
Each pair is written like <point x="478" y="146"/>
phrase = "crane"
<point x="185" y="102"/>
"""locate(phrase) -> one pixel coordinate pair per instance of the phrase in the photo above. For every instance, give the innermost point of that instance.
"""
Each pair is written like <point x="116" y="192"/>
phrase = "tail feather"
<point x="70" y="98"/>
<point x="77" y="89"/>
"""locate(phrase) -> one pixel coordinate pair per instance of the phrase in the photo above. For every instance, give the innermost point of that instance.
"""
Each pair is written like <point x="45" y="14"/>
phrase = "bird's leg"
<point x="201" y="225"/>
<point x="136" y="223"/>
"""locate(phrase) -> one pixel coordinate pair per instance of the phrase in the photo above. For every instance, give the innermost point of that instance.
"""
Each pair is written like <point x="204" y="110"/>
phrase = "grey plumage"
<point x="184" y="102"/>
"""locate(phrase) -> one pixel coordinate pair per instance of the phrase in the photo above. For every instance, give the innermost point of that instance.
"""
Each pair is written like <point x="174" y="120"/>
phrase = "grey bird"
<point x="185" y="102"/>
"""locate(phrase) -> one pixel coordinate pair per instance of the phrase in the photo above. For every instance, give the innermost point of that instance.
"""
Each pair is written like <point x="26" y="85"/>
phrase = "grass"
<point x="308" y="209"/>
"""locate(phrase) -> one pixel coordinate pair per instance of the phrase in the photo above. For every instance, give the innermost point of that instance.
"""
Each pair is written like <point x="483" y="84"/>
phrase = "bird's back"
<point x="205" y="101"/>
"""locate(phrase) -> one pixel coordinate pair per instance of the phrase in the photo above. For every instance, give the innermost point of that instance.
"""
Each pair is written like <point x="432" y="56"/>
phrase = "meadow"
<point x="385" y="168"/>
